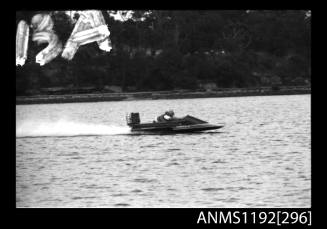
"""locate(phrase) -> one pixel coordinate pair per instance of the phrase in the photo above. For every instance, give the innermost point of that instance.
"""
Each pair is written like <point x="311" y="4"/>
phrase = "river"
<point x="83" y="155"/>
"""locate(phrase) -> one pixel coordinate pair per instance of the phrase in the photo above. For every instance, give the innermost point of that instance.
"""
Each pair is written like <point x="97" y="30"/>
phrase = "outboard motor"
<point x="133" y="118"/>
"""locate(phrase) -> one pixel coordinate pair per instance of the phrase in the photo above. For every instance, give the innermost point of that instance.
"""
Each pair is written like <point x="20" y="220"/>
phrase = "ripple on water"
<point x="23" y="186"/>
<point x="219" y="161"/>
<point x="149" y="146"/>
<point x="174" y="149"/>
<point x="172" y="163"/>
<point x="118" y="194"/>
<point x="41" y="184"/>
<point x="77" y="198"/>
<point x="95" y="187"/>
<point x="69" y="154"/>
<point x="288" y="168"/>
<point x="144" y="180"/>
<point x="231" y="200"/>
<point x="212" y="189"/>
<point x="122" y="205"/>
<point x="77" y="158"/>
<point x="295" y="152"/>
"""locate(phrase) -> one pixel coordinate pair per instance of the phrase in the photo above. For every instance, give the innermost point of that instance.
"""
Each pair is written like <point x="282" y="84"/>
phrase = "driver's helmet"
<point x="170" y="113"/>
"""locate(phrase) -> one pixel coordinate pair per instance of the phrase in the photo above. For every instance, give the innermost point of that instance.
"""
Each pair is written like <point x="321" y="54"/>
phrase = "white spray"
<point x="66" y="128"/>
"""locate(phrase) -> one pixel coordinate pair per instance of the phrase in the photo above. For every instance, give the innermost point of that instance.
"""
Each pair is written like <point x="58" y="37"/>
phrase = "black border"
<point x="106" y="217"/>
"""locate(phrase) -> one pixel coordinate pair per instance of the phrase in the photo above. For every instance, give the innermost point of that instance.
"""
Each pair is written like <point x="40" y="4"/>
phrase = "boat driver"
<point x="167" y="116"/>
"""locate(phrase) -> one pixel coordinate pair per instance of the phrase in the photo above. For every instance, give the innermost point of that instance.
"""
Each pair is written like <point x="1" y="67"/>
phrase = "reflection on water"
<point x="261" y="158"/>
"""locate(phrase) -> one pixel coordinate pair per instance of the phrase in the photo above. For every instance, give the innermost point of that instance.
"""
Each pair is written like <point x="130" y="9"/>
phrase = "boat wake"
<point x="67" y="128"/>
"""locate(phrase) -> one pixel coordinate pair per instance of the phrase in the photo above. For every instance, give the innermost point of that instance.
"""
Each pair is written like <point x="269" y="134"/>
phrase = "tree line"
<point x="169" y="50"/>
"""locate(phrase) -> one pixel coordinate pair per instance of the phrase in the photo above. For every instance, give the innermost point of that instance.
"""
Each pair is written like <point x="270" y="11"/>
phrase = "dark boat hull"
<point x="175" y="128"/>
<point x="196" y="128"/>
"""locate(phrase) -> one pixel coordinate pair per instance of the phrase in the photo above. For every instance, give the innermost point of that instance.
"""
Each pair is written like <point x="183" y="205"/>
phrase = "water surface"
<point x="83" y="155"/>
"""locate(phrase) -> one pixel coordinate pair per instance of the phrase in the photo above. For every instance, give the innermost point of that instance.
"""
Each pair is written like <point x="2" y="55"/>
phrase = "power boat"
<point x="176" y="125"/>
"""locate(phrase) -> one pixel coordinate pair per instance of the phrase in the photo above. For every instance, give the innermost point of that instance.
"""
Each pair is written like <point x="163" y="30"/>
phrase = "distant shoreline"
<point x="153" y="95"/>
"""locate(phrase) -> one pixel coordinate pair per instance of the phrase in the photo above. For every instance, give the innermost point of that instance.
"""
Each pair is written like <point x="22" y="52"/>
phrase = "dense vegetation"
<point x="167" y="50"/>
